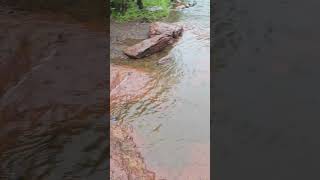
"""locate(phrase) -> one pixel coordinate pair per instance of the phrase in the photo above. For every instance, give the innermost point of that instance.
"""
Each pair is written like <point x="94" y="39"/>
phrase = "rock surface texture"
<point x="149" y="46"/>
<point x="126" y="162"/>
<point x="161" y="35"/>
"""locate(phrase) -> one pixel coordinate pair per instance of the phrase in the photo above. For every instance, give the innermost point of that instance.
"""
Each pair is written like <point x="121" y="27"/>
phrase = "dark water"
<point x="53" y="117"/>
<point x="267" y="92"/>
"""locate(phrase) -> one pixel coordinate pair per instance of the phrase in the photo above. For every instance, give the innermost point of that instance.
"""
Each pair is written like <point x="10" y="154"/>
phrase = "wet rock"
<point x="149" y="46"/>
<point x="182" y="5"/>
<point x="161" y="35"/>
<point x="158" y="28"/>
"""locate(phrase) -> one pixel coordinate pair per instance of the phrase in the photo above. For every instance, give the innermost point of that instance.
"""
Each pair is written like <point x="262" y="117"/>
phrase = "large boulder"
<point x="149" y="46"/>
<point x="157" y="28"/>
<point x="161" y="35"/>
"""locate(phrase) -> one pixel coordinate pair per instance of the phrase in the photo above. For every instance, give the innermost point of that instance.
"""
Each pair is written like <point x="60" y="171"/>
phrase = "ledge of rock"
<point x="161" y="35"/>
<point x="149" y="46"/>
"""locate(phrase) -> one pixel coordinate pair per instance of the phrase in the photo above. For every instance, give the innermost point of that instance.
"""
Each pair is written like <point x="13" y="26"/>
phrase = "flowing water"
<point x="172" y="121"/>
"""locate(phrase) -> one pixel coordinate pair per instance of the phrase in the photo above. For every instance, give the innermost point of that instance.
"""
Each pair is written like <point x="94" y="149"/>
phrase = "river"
<point x="172" y="121"/>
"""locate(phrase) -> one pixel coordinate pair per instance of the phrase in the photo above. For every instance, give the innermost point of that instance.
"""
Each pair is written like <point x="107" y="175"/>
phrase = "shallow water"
<point x="172" y="122"/>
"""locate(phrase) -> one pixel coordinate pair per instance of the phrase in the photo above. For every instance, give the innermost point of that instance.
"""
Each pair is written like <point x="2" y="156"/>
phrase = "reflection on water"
<point x="52" y="115"/>
<point x="173" y="119"/>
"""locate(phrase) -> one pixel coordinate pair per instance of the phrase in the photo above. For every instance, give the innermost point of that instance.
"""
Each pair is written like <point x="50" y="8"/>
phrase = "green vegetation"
<point x="128" y="10"/>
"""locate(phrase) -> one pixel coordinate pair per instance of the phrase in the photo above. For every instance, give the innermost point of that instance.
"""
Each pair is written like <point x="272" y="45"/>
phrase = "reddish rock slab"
<point x="149" y="46"/>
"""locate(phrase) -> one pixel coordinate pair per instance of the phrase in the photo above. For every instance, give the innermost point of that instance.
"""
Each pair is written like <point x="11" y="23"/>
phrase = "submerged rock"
<point x="149" y="46"/>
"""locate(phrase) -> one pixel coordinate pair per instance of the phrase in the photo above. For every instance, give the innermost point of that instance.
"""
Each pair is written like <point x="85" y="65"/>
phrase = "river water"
<point x="172" y="122"/>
